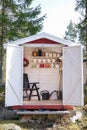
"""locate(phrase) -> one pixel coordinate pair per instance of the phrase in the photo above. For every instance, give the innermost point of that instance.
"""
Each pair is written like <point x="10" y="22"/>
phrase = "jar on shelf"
<point x="48" y="60"/>
<point x="44" y="60"/>
<point x="33" y="65"/>
<point x="52" y="65"/>
<point x="47" y="65"/>
<point x="34" y="53"/>
<point x="58" y="55"/>
<point x="43" y="53"/>
<point x="56" y="66"/>
<point x="53" y="60"/>
<point x="50" y="54"/>
<point x="34" y="60"/>
<point x="38" y="66"/>
<point x="47" y="54"/>
<point x="41" y="65"/>
<point x="54" y="54"/>
<point x="39" y="60"/>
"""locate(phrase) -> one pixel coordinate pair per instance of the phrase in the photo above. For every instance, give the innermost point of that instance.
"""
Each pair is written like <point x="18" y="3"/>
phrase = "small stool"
<point x="34" y="88"/>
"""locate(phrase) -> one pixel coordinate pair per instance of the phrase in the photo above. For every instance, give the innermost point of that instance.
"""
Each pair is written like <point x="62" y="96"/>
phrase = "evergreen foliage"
<point x="79" y="30"/>
<point x="81" y="7"/>
<point x="17" y="20"/>
<point x="71" y="32"/>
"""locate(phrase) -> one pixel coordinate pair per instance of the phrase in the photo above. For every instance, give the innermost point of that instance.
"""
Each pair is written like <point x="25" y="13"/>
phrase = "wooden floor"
<point x="43" y="102"/>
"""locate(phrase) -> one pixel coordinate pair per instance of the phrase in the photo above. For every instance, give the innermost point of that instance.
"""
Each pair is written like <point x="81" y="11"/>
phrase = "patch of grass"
<point x="85" y="94"/>
<point x="17" y="122"/>
<point x="2" y="89"/>
<point x="85" y="90"/>
<point x="2" y="95"/>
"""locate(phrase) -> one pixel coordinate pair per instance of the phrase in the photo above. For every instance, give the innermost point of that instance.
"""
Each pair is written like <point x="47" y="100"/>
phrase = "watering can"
<point x="46" y="95"/>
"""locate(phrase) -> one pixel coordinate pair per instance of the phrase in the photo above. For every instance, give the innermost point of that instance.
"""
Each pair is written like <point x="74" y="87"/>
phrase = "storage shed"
<point x="53" y="70"/>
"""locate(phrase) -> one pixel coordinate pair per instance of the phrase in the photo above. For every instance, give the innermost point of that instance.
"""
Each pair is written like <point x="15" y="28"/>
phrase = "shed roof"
<point x="38" y="36"/>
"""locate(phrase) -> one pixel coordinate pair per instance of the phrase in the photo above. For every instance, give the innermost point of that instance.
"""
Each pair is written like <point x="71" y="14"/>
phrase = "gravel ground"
<point x="76" y="120"/>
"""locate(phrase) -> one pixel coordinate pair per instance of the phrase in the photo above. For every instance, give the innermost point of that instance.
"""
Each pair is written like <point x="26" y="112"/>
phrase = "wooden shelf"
<point x="43" y="57"/>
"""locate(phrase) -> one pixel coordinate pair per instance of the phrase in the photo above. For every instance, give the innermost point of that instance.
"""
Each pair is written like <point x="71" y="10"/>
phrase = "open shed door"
<point x="14" y="76"/>
<point x="73" y="76"/>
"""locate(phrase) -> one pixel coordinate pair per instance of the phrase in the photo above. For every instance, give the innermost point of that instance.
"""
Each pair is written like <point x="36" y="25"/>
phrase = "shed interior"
<point x="45" y="67"/>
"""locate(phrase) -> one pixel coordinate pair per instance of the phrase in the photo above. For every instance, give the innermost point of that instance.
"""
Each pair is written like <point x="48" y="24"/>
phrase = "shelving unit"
<point x="45" y="62"/>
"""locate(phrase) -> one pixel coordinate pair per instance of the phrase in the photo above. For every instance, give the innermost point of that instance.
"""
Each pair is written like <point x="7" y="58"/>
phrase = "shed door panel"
<point x="72" y="76"/>
<point x="14" y="76"/>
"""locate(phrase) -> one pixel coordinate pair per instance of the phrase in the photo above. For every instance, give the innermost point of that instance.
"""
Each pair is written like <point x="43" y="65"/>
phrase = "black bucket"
<point x="45" y="95"/>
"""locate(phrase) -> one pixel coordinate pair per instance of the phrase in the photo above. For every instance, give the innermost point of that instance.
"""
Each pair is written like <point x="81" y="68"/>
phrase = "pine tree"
<point x="81" y="7"/>
<point x="71" y="32"/>
<point x="17" y="20"/>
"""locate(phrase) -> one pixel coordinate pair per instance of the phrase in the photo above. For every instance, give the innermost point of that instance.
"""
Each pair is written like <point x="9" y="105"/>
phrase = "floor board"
<point x="43" y="102"/>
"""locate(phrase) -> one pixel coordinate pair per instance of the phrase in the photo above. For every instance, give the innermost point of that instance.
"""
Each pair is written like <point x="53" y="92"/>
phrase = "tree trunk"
<point x="86" y="40"/>
<point x="1" y="46"/>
